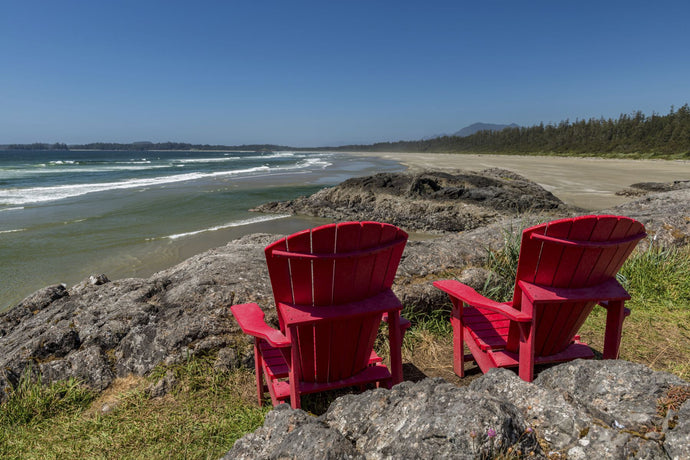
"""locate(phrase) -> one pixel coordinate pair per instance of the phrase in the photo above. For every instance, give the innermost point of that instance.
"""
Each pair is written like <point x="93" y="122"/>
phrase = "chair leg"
<point x="294" y="374"/>
<point x="614" y="329"/>
<point x="458" y="345"/>
<point x="526" y="363"/>
<point x="395" y="346"/>
<point x="526" y="351"/>
<point x="258" y="371"/>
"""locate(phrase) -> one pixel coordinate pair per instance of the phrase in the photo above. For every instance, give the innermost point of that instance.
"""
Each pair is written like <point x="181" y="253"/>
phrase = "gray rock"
<point x="293" y="434"/>
<point x="547" y="412"/>
<point x="163" y="386"/>
<point x="97" y="332"/>
<point x="677" y="442"/>
<point x="551" y="417"/>
<point x="644" y="188"/>
<point x="620" y="394"/>
<point x="430" y="419"/>
<point x="428" y="201"/>
<point x="665" y="215"/>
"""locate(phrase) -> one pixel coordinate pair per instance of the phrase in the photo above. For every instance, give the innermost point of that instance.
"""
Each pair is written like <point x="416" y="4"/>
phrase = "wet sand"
<point x="589" y="183"/>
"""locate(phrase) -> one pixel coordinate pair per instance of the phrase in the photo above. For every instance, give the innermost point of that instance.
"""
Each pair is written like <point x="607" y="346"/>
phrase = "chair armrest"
<point x="608" y="290"/>
<point x="251" y="320"/>
<point x="404" y="322"/>
<point x="471" y="297"/>
<point x="607" y="305"/>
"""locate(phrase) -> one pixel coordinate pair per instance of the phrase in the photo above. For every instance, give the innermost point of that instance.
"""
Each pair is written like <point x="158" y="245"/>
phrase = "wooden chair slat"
<point x="305" y="341"/>
<point x="323" y="243"/>
<point x="347" y="240"/>
<point x="300" y="270"/>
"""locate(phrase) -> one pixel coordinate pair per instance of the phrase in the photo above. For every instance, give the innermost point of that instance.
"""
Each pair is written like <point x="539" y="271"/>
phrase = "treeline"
<point x="140" y="146"/>
<point x="38" y="146"/>
<point x="662" y="135"/>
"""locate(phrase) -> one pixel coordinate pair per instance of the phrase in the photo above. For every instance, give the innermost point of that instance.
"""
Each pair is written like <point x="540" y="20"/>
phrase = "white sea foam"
<point x="21" y="173"/>
<point x="19" y="196"/>
<point x="239" y="223"/>
<point x="15" y="208"/>
<point x="12" y="231"/>
<point x="205" y="160"/>
<point x="271" y="156"/>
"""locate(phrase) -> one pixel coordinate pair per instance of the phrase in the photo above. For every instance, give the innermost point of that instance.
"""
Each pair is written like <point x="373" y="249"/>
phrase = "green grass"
<point x="202" y="417"/>
<point x="209" y="409"/>
<point x="657" y="332"/>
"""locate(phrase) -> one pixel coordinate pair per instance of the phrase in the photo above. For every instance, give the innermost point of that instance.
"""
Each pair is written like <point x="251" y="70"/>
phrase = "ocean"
<point x="65" y="215"/>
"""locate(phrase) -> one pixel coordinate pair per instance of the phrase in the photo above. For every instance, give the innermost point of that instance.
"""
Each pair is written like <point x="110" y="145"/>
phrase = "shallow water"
<point x="67" y="215"/>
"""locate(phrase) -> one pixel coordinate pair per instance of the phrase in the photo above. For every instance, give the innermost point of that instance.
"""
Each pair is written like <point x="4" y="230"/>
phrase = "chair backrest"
<point x="570" y="253"/>
<point x="332" y="265"/>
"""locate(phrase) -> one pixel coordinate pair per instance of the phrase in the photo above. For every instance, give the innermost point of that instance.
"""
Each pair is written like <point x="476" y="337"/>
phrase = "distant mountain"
<point x="471" y="129"/>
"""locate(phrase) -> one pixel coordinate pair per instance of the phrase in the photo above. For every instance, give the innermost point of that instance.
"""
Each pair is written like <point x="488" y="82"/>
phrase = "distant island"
<point x="631" y="135"/>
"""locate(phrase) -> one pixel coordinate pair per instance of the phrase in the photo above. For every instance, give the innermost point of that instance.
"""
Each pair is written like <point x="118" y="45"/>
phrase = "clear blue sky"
<point x="329" y="72"/>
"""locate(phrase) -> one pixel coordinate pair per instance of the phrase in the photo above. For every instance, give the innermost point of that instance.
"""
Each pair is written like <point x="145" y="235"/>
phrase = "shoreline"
<point x="589" y="183"/>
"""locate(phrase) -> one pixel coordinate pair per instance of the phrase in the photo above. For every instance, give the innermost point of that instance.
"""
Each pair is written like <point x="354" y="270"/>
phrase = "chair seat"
<point x="488" y="329"/>
<point x="276" y="367"/>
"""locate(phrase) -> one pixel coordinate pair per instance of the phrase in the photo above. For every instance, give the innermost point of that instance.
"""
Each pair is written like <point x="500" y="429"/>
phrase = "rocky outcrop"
<point x="645" y="188"/>
<point x="666" y="216"/>
<point x="578" y="410"/>
<point x="99" y="330"/>
<point x="428" y="201"/>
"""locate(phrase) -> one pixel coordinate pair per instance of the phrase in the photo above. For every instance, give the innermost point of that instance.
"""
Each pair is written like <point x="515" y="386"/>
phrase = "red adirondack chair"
<point x="332" y="289"/>
<point x="565" y="268"/>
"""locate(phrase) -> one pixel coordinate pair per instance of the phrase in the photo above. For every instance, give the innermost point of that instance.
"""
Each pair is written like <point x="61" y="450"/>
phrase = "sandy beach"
<point x="589" y="183"/>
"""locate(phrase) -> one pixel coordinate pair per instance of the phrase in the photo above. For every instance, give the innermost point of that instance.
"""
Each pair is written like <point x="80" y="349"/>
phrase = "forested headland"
<point x="631" y="135"/>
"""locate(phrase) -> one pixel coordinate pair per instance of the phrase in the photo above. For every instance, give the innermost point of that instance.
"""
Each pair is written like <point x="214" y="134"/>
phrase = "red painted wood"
<point x="323" y="243"/>
<point x="307" y="350"/>
<point x="502" y="358"/>
<point x="370" y="236"/>
<point x="456" y="321"/>
<point x="258" y="370"/>
<point x="386" y="301"/>
<point x="279" y="273"/>
<point x="565" y="268"/>
<point x="332" y="287"/>
<point x="347" y="240"/>
<point x="614" y="326"/>
<point x="300" y="270"/>
<point x="251" y="319"/>
<point x="395" y="341"/>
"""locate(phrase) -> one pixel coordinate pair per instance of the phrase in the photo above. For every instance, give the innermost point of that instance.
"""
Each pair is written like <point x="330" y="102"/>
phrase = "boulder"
<point x="582" y="409"/>
<point x="428" y="201"/>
